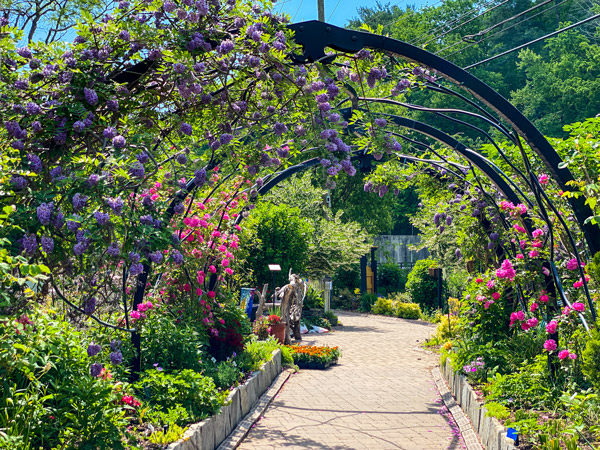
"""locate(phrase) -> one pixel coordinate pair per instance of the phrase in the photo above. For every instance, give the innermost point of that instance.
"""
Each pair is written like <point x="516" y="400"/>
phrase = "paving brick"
<point x="381" y="395"/>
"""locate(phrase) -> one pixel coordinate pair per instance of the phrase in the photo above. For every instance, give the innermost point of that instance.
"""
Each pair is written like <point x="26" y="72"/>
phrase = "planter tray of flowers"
<point x="314" y="357"/>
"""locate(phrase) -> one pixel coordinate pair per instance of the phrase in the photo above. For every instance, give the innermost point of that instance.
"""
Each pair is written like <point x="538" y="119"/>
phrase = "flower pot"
<point x="278" y="331"/>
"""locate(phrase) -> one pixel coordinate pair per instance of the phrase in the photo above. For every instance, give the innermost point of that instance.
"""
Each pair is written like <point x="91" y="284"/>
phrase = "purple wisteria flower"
<point x="260" y="182"/>
<point x="142" y="157"/>
<point x="79" y="126"/>
<point x="177" y="257"/>
<point x="93" y="349"/>
<point x="279" y="128"/>
<point x="112" y="105"/>
<point x="21" y="84"/>
<point x="81" y="247"/>
<point x="136" y="269"/>
<point x="109" y="133"/>
<point x="89" y="305"/>
<point x="156" y="257"/>
<point x="32" y="108"/>
<point x="137" y="170"/>
<point x="44" y="213"/>
<point x="181" y="158"/>
<point x="225" y="47"/>
<point x="79" y="201"/>
<point x="18" y="182"/>
<point x="116" y="204"/>
<point x="96" y="369"/>
<point x="25" y="52"/>
<point x="124" y="34"/>
<point x="146" y="220"/>
<point x="186" y="129"/>
<point x="102" y="218"/>
<point x="115" y="345"/>
<point x="380" y="122"/>
<point x="179" y="68"/>
<point x="35" y="163"/>
<point x="90" y="96"/>
<point x="118" y="141"/>
<point x="179" y="208"/>
<point x="47" y="244"/>
<point x="116" y="357"/>
<point x="29" y="243"/>
<point x="200" y="177"/>
<point x="113" y="249"/>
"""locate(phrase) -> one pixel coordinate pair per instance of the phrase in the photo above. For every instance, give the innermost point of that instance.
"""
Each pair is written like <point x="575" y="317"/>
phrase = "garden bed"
<point x="491" y="432"/>
<point x="208" y="434"/>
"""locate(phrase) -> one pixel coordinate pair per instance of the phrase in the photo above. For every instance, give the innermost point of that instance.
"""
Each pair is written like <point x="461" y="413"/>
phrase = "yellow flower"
<point x="357" y="291"/>
<point x="447" y="345"/>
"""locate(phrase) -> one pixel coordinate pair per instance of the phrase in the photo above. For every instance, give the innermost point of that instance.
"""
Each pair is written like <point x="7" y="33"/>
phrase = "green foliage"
<point x="530" y="387"/>
<point x="391" y="278"/>
<point x="497" y="410"/>
<point x="313" y="299"/>
<point x="196" y="393"/>
<point x="256" y="353"/>
<point x="591" y="359"/>
<point x="396" y="308"/>
<point x="406" y="310"/>
<point x="276" y="235"/>
<point x="172" y="434"/>
<point x="347" y="278"/>
<point x="173" y="346"/>
<point x="367" y="301"/>
<point x="423" y="289"/>
<point x="444" y="331"/>
<point x="331" y="317"/>
<point x="335" y="241"/>
<point x="48" y="397"/>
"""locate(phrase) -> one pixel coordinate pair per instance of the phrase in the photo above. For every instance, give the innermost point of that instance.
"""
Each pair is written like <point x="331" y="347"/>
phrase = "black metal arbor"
<point x="323" y="42"/>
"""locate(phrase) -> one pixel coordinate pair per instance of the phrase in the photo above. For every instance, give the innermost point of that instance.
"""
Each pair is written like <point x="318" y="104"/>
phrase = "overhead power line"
<point x="516" y="16"/>
<point x="465" y="22"/>
<point x="496" y="33"/>
<point x="570" y="27"/>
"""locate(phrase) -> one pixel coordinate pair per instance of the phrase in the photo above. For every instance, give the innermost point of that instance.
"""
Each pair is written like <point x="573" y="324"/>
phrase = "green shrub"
<point x="591" y="360"/>
<point x="196" y="393"/>
<point x="347" y="277"/>
<point x="391" y="278"/>
<point x="382" y="306"/>
<point x="422" y="288"/>
<point x="331" y="317"/>
<point x="367" y="301"/>
<point x="406" y="310"/>
<point x="258" y="352"/>
<point x="173" y="346"/>
<point x="313" y="299"/>
<point x="497" y="410"/>
<point x="48" y="399"/>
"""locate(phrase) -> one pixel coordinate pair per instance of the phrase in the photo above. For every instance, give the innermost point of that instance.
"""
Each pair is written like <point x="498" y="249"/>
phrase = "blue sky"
<point x="337" y="12"/>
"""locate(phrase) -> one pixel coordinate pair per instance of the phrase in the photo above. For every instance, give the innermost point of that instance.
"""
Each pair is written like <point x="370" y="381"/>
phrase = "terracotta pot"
<point x="278" y="331"/>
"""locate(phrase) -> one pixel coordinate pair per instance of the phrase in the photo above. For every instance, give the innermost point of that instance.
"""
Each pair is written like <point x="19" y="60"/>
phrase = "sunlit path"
<point x="380" y="396"/>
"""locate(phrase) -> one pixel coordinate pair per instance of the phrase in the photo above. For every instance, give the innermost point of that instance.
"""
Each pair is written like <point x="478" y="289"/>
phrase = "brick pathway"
<point x="380" y="396"/>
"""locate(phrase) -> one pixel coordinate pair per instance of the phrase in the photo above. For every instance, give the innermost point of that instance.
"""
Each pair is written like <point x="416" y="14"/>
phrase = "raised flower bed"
<point x="314" y="357"/>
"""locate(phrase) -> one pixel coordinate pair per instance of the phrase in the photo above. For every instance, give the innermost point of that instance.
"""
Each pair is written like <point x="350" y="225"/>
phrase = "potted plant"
<point x="276" y="325"/>
<point x="261" y="328"/>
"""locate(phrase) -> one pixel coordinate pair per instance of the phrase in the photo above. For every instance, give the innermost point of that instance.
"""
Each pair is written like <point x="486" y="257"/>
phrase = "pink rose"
<point x="496" y="295"/>
<point x="579" y="307"/>
<point x="563" y="354"/>
<point x="551" y="327"/>
<point x="534" y="306"/>
<point x="543" y="178"/>
<point x="550" y="345"/>
<point x="211" y="294"/>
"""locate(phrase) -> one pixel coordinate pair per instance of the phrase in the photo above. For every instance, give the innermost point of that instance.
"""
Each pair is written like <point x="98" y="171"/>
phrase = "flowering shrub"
<point x="273" y="319"/>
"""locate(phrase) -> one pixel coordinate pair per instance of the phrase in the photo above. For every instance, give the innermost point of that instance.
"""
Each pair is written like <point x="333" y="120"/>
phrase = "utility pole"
<point x="321" y="8"/>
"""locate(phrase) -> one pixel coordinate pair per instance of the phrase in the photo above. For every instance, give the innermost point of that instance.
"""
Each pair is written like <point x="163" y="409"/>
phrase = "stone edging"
<point x="237" y="436"/>
<point x="208" y="434"/>
<point x="491" y="432"/>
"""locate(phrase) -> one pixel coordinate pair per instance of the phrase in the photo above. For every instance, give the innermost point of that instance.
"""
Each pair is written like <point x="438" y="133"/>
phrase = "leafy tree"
<point x="51" y="20"/>
<point x="563" y="82"/>
<point x="335" y="241"/>
<point x="276" y="235"/>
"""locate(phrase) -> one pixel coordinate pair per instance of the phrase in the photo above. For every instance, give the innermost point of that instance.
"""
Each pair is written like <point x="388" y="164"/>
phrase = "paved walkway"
<point x="380" y="396"/>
